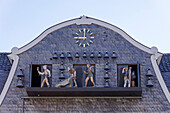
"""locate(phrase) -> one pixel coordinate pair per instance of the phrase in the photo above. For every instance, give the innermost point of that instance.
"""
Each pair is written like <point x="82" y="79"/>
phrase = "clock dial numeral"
<point x="88" y="30"/>
<point x="92" y="37"/>
<point x="79" y="30"/>
<point x="80" y="44"/>
<point x="84" y="45"/>
<point x="88" y="44"/>
<point x="77" y="41"/>
<point x="91" y="41"/>
<point x="91" y="34"/>
<point x="77" y="34"/>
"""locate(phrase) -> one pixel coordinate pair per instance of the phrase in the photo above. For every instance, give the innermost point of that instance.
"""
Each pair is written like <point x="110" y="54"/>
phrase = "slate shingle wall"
<point x="165" y="69"/>
<point x="4" y="62"/>
<point x="166" y="77"/>
<point x="62" y="40"/>
<point x="4" y="69"/>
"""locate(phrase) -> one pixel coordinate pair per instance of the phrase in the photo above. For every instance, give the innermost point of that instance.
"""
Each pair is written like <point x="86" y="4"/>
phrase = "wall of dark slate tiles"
<point x="165" y="69"/>
<point x="62" y="40"/>
<point x="4" y="69"/>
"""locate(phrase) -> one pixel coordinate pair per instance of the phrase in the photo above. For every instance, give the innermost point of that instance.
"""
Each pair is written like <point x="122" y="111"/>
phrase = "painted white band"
<point x="159" y="77"/>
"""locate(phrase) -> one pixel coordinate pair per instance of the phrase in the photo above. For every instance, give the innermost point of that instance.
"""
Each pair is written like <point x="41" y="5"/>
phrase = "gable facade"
<point x="106" y="39"/>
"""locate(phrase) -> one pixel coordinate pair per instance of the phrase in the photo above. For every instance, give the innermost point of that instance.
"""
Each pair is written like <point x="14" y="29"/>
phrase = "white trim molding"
<point x="78" y="21"/>
<point x="15" y="58"/>
<point x="165" y="90"/>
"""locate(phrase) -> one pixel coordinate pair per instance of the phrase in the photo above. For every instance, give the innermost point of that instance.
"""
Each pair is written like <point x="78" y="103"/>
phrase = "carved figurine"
<point x="72" y="71"/>
<point x="65" y="82"/>
<point x="133" y="78"/>
<point x="89" y="75"/>
<point x="127" y="76"/>
<point x="47" y="75"/>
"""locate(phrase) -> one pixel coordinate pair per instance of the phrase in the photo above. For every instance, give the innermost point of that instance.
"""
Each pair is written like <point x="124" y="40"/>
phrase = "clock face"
<point x="84" y="37"/>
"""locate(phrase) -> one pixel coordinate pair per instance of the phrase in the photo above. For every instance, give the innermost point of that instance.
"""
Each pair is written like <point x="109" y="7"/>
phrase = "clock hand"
<point x="80" y="38"/>
<point x="83" y="38"/>
<point x="84" y="31"/>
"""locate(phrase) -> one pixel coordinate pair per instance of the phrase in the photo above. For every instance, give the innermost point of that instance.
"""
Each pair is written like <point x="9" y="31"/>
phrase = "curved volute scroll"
<point x="14" y="59"/>
<point x="15" y="50"/>
<point x="154" y="57"/>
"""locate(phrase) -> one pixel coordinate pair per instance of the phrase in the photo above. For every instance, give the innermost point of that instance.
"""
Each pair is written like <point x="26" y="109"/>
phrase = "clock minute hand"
<point x="84" y="32"/>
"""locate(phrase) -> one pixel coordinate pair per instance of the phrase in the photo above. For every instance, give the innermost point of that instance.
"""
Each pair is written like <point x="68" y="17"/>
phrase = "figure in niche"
<point x="72" y="71"/>
<point x="89" y="75"/>
<point x="65" y="82"/>
<point x="46" y="75"/>
<point x="127" y="76"/>
<point x="133" y="78"/>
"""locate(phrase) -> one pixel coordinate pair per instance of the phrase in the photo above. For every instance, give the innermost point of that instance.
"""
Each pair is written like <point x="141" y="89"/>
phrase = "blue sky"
<point x="147" y="21"/>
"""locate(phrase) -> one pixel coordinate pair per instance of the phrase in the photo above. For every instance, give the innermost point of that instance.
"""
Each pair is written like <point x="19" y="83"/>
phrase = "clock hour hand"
<point x="80" y="38"/>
